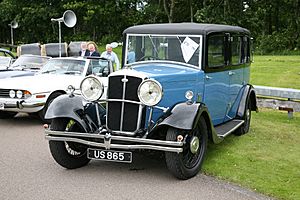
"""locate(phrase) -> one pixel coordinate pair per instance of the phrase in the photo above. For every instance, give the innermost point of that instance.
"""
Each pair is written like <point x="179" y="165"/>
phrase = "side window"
<point x="98" y="67"/>
<point x="247" y="49"/>
<point x="236" y="50"/>
<point x="215" y="55"/>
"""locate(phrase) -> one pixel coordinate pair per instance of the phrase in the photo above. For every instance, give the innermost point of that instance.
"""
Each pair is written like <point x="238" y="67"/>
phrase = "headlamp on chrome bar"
<point x="150" y="92"/>
<point x="91" y="88"/>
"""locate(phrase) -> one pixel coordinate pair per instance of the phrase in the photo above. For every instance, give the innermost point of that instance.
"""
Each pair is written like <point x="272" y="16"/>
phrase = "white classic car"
<point x="33" y="94"/>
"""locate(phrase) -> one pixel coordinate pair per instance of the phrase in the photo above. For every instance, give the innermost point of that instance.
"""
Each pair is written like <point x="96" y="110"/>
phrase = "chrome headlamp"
<point x="91" y="88"/>
<point x="150" y="92"/>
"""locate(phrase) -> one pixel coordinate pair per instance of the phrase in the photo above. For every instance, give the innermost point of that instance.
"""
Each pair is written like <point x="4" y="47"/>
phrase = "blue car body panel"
<point x="175" y="80"/>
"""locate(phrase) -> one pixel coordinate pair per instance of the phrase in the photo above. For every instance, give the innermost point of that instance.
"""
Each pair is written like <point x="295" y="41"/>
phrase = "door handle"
<point x="230" y="73"/>
<point x="208" y="77"/>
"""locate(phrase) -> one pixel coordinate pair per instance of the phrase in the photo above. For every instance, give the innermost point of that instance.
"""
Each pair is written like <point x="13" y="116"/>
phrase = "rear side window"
<point x="236" y="50"/>
<point x="215" y="51"/>
<point x="246" y="49"/>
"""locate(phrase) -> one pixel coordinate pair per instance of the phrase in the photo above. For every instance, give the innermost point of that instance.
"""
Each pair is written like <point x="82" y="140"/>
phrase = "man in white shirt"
<point x="84" y="51"/>
<point x="109" y="54"/>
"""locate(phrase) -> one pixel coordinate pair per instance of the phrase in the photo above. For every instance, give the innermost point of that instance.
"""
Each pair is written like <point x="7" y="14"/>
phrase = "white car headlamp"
<point x="12" y="94"/>
<point x="19" y="94"/>
<point x="91" y="88"/>
<point x="150" y="92"/>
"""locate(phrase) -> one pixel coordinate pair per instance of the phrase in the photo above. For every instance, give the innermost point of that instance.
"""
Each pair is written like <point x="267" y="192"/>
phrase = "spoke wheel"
<point x="68" y="154"/>
<point x="188" y="163"/>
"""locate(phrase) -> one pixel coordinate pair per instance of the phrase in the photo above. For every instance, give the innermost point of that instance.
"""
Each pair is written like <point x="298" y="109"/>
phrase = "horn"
<point x="68" y="18"/>
<point x="14" y="24"/>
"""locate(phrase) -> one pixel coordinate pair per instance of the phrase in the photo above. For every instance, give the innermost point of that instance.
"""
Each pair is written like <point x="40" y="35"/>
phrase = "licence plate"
<point x="110" y="155"/>
<point x="1" y="106"/>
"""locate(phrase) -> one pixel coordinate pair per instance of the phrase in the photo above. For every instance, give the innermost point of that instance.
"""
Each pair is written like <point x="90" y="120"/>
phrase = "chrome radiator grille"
<point x="124" y="111"/>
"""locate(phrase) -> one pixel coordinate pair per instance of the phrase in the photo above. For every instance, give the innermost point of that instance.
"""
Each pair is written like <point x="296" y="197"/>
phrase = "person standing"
<point x="92" y="47"/>
<point x="109" y="54"/>
<point x="84" y="51"/>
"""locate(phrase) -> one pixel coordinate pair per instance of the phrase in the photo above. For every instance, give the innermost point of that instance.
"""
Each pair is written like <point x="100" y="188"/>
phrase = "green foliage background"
<point x="275" y="25"/>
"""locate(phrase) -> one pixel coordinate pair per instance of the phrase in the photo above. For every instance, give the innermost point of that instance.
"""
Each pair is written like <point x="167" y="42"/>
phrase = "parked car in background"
<point x="7" y="53"/>
<point x="5" y="62"/>
<point x="25" y="65"/>
<point x="33" y="94"/>
<point x="184" y="84"/>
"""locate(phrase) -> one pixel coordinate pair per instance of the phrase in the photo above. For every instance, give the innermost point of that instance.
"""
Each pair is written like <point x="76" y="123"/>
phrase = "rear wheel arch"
<point x="252" y="97"/>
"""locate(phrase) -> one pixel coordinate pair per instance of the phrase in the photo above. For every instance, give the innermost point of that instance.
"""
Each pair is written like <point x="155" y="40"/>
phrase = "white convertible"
<point x="33" y="94"/>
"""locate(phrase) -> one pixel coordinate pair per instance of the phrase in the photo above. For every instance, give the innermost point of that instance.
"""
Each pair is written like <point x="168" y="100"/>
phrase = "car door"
<point x="216" y="89"/>
<point x="236" y="74"/>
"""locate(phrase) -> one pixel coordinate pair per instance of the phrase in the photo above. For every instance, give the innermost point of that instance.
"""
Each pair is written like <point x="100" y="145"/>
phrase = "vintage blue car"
<point x="181" y="85"/>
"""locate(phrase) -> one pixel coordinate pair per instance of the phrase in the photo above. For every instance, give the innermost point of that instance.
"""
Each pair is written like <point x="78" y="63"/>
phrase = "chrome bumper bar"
<point x="22" y="104"/>
<point x="109" y="141"/>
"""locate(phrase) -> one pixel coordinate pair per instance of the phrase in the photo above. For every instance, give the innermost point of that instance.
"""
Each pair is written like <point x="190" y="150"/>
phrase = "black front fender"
<point x="184" y="115"/>
<point x="65" y="106"/>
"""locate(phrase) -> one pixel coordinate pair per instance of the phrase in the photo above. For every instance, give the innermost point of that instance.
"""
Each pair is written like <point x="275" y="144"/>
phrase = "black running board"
<point x="227" y="128"/>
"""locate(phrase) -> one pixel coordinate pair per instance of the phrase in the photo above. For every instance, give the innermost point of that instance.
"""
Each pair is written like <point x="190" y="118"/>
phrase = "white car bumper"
<point x="22" y="105"/>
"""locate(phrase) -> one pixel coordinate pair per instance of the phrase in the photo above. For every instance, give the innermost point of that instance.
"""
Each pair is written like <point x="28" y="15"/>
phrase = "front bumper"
<point x="109" y="141"/>
<point x="19" y="105"/>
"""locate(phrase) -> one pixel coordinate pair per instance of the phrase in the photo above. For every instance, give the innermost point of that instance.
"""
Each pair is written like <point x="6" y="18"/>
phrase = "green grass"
<point x="267" y="159"/>
<point x="276" y="71"/>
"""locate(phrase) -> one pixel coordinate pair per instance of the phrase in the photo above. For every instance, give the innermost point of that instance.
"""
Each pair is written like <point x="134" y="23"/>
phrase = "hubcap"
<point x="194" y="145"/>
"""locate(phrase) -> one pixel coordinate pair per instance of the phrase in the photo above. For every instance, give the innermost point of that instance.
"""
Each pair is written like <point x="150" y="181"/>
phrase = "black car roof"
<point x="183" y="28"/>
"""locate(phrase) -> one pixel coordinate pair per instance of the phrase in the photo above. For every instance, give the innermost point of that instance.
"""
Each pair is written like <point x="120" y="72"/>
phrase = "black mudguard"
<point x="186" y="116"/>
<point x="68" y="107"/>
<point x="249" y="92"/>
<point x="183" y="115"/>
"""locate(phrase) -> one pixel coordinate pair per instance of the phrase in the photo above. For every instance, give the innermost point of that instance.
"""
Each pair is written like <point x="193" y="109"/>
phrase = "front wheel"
<point x="188" y="163"/>
<point x="70" y="155"/>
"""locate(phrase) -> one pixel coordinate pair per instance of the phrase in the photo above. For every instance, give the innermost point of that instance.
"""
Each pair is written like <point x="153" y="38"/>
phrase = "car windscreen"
<point x="64" y="66"/>
<point x="4" y="62"/>
<point x="179" y="48"/>
<point x="31" y="62"/>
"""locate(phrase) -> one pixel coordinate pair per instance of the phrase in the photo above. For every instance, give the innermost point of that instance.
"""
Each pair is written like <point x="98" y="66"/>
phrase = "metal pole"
<point x="11" y="35"/>
<point x="59" y="37"/>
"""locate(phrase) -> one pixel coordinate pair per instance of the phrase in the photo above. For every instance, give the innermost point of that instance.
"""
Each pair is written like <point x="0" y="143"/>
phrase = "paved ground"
<point x="27" y="171"/>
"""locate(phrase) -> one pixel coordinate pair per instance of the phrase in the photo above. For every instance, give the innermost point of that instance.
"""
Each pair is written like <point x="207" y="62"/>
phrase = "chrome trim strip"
<point x="126" y="101"/>
<point x="114" y="137"/>
<point x="134" y="64"/>
<point x="115" y="146"/>
<point x="24" y="105"/>
<point x="139" y="120"/>
<point x="122" y="108"/>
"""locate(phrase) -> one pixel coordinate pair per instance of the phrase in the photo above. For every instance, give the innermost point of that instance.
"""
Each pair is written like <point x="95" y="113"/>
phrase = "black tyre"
<point x="68" y="154"/>
<point x="188" y="163"/>
<point x="7" y="115"/>
<point x="244" y="128"/>
<point x="42" y="113"/>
